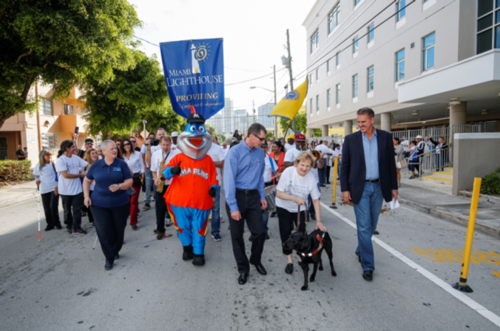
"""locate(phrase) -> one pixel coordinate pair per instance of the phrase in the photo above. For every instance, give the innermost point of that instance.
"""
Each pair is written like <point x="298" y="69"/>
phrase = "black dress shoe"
<point x="368" y="275"/>
<point x="187" y="254"/>
<point x="260" y="269"/>
<point x="117" y="256"/>
<point x="108" y="265"/>
<point x="289" y="268"/>
<point x="242" y="280"/>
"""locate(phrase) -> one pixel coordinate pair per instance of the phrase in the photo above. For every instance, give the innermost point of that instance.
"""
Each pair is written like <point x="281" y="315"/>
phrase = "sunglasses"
<point x="261" y="139"/>
<point x="133" y="141"/>
<point x="126" y="144"/>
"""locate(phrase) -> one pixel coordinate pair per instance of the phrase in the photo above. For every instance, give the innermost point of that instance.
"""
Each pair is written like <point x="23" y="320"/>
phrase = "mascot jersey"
<point x="190" y="188"/>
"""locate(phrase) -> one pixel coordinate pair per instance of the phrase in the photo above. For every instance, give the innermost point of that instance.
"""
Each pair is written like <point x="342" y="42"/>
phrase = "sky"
<point x="254" y="34"/>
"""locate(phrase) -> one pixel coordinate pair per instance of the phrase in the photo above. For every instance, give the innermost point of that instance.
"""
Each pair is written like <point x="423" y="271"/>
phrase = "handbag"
<point x="270" y="191"/>
<point x="403" y="163"/>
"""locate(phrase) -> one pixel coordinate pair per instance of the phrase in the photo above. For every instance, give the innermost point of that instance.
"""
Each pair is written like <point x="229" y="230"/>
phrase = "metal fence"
<point x="428" y="163"/>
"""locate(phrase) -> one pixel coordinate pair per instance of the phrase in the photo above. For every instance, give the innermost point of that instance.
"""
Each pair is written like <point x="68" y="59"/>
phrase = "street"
<point x="60" y="283"/>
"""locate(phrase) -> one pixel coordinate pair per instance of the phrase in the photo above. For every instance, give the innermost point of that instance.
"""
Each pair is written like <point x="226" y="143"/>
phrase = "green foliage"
<point x="491" y="183"/>
<point x="135" y="94"/>
<point x="60" y="43"/>
<point x="300" y="120"/>
<point x="317" y="133"/>
<point x="269" y="135"/>
<point x="15" y="170"/>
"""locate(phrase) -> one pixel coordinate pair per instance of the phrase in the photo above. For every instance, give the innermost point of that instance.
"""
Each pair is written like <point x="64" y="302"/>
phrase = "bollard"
<point x="334" y="195"/>
<point x="462" y="284"/>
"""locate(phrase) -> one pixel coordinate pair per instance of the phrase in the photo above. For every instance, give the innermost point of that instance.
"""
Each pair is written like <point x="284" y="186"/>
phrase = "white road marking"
<point x="493" y="318"/>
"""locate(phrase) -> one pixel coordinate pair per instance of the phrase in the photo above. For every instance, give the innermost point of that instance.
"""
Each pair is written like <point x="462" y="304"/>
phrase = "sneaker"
<point x="217" y="237"/>
<point x="79" y="230"/>
<point x="160" y="235"/>
<point x="411" y="177"/>
<point x="168" y="222"/>
<point x="152" y="199"/>
<point x="147" y="206"/>
<point x="70" y="230"/>
<point x="134" y="227"/>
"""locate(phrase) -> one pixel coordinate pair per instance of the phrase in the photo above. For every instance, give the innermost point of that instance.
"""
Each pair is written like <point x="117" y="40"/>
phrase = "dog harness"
<point x="320" y="246"/>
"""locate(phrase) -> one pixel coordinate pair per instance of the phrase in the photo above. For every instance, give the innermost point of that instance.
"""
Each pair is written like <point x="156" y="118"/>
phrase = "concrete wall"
<point x="474" y="155"/>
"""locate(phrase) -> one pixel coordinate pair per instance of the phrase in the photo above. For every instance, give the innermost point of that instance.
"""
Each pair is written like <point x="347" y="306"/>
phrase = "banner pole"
<point x="462" y="284"/>
<point x="334" y="194"/>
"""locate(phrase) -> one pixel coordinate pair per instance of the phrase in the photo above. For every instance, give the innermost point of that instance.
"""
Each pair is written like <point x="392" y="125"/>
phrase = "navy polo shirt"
<point x="104" y="177"/>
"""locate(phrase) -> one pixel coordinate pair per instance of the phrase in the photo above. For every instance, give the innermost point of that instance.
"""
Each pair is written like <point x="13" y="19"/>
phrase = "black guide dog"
<point x="309" y="247"/>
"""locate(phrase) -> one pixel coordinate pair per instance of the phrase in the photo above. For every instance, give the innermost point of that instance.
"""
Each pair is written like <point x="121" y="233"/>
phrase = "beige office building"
<point x="422" y="63"/>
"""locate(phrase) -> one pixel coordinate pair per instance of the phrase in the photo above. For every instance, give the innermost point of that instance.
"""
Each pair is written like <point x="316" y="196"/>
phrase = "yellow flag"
<point x="290" y="105"/>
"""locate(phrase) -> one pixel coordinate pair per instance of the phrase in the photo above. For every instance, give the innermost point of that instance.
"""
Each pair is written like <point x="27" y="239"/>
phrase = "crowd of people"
<point x="105" y="184"/>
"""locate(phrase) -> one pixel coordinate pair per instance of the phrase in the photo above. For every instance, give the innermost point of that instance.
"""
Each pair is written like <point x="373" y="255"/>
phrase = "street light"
<point x="275" y="120"/>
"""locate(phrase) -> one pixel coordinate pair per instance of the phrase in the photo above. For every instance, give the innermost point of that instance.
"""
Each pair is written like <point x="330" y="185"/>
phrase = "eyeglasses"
<point x="133" y="141"/>
<point x="261" y="139"/>
<point x="89" y="143"/>
<point x="126" y="144"/>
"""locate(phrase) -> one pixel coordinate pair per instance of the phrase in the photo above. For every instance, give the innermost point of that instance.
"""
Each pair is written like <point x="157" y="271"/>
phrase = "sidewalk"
<point x="10" y="195"/>
<point x="436" y="199"/>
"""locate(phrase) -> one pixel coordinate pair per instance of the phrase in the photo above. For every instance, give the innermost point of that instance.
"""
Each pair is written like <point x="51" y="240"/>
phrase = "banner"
<point x="194" y="73"/>
<point x="290" y="105"/>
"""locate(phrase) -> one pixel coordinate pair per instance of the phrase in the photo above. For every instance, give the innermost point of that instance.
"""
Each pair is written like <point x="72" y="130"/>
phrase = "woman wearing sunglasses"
<point x="134" y="161"/>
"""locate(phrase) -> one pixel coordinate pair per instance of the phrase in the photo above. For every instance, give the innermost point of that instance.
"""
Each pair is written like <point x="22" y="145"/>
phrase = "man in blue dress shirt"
<point x="367" y="178"/>
<point x="245" y="198"/>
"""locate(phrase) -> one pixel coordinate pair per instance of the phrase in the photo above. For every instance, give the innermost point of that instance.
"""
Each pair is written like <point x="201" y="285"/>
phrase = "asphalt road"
<point x="60" y="283"/>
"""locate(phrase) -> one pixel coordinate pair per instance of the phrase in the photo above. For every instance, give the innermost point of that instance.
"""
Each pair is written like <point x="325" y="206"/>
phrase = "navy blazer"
<point x="353" y="171"/>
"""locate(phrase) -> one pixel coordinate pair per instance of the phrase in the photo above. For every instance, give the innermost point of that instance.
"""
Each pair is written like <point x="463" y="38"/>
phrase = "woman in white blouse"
<point x="46" y="180"/>
<point x="136" y="165"/>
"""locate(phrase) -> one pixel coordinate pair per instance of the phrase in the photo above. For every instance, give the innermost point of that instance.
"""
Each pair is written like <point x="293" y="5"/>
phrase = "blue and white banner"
<point x="194" y="73"/>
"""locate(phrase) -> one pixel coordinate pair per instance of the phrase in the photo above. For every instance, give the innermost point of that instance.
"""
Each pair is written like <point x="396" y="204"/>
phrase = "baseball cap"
<point x="419" y="137"/>
<point x="175" y="134"/>
<point x="300" y="137"/>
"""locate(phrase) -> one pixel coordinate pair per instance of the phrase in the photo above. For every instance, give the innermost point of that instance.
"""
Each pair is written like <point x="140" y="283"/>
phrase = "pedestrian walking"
<point x="296" y="184"/>
<point x="293" y="152"/>
<point x="217" y="154"/>
<point x="325" y="151"/>
<point x="136" y="165"/>
<point x="46" y="179"/>
<point x="90" y="156"/>
<point x="110" y="202"/>
<point x="159" y="160"/>
<point x="68" y="167"/>
<point x="245" y="198"/>
<point x="368" y="177"/>
<point x="148" y="175"/>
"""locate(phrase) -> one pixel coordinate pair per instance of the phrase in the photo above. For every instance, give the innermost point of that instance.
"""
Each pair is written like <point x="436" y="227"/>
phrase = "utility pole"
<point x="275" y="103"/>
<point x="253" y="106"/>
<point x="290" y="71"/>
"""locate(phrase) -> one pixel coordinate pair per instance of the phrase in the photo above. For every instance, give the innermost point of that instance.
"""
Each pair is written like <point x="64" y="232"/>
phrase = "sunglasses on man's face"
<point x="261" y="139"/>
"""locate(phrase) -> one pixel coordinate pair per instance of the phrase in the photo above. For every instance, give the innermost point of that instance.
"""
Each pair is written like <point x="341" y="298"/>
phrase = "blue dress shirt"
<point x="370" y="149"/>
<point x="243" y="169"/>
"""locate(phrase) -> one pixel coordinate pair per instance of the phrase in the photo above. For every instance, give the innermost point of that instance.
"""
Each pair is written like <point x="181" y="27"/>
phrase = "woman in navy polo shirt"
<point x="110" y="202"/>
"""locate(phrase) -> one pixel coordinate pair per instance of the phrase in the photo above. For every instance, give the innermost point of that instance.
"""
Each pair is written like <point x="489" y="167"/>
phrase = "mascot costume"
<point x="190" y="195"/>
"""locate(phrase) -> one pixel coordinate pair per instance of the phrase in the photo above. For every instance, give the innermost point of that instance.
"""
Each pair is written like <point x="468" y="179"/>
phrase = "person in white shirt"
<point x="69" y="185"/>
<point x="158" y="161"/>
<point x="217" y="154"/>
<point x="405" y="143"/>
<point x="291" y="155"/>
<point x="148" y="176"/>
<point x="290" y="143"/>
<point x="225" y="148"/>
<point x="295" y="185"/>
<point x="152" y="145"/>
<point x="174" y="136"/>
<point x="46" y="180"/>
<point x="325" y="151"/>
<point x="136" y="165"/>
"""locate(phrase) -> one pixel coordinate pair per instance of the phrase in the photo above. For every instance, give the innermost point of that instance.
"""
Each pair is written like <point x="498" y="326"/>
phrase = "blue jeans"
<point x="149" y="181"/>
<point x="216" y="213"/>
<point x="367" y="212"/>
<point x="322" y="175"/>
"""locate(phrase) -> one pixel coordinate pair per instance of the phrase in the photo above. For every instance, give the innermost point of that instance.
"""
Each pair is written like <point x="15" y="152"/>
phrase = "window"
<point x="488" y="25"/>
<point x="369" y="78"/>
<point x="48" y="141"/>
<point x="337" y="59"/>
<point x="428" y="51"/>
<point x="317" y="102"/>
<point x="328" y="98"/>
<point x="314" y="41"/>
<point x="333" y="18"/>
<point x="356" y="2"/>
<point x="400" y="10"/>
<point x="371" y="32"/>
<point x="310" y="79"/>
<point x="68" y="109"/>
<point x="355" y="45"/>
<point x="328" y="66"/>
<point x="337" y="94"/>
<point x="46" y="107"/>
<point x="317" y="74"/>
<point x="311" y="105"/>
<point x="400" y="65"/>
<point x="355" y="86"/>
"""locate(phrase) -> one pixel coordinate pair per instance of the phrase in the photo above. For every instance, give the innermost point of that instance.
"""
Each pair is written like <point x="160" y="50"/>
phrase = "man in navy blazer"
<point x="368" y="176"/>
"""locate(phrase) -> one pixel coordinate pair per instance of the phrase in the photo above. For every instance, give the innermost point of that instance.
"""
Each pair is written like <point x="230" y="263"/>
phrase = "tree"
<point x="135" y="94"/>
<point x="60" y="43"/>
<point x="300" y="120"/>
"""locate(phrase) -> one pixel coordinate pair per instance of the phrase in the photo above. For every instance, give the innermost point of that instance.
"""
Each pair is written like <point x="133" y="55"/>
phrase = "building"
<point x="417" y="64"/>
<point x="56" y="122"/>
<point x="241" y="120"/>
<point x="264" y="119"/>
<point x="227" y="113"/>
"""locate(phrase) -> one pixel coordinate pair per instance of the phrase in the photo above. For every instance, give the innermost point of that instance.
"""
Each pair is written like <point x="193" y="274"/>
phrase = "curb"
<point x="442" y="213"/>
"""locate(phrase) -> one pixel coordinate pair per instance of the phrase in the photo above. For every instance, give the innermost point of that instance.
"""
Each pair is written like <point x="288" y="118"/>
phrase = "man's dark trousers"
<point x="73" y="220"/>
<point x="250" y="209"/>
<point x="161" y="209"/>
